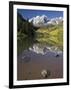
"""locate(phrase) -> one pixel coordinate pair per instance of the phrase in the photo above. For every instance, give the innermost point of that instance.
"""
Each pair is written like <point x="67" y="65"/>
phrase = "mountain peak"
<point x="41" y="21"/>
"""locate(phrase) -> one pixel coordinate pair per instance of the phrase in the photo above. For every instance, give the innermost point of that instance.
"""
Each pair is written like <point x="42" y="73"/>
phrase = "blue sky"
<point x="27" y="14"/>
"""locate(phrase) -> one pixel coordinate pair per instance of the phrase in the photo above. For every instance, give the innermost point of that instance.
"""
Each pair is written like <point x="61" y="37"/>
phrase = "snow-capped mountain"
<point x="41" y="21"/>
<point x="56" y="20"/>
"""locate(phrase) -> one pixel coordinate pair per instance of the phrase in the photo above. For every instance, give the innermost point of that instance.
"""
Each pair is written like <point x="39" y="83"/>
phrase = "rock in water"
<point x="45" y="73"/>
<point x="57" y="55"/>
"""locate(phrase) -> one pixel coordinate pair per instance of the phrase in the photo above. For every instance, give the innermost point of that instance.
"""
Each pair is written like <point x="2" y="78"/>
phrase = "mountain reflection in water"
<point x="44" y="50"/>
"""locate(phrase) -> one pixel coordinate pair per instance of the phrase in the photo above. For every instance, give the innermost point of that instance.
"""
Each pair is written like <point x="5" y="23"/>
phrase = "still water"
<point x="41" y="44"/>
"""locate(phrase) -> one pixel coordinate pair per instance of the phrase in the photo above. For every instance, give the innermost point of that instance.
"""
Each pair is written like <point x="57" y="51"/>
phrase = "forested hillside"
<point x="24" y="28"/>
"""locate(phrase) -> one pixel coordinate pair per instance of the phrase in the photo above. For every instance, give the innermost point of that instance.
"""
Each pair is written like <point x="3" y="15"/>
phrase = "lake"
<point x="42" y="52"/>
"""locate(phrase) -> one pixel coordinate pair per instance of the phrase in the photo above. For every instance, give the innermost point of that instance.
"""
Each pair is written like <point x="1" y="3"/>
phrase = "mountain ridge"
<point x="43" y="21"/>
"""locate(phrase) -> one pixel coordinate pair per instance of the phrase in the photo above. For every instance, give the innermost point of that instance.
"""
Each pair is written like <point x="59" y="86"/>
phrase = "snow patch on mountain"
<point x="41" y="21"/>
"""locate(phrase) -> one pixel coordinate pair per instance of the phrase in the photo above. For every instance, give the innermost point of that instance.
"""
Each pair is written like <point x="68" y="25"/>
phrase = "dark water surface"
<point x="34" y="56"/>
